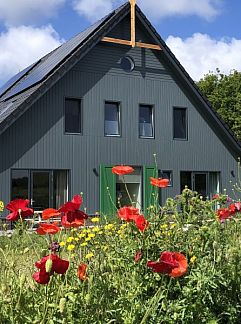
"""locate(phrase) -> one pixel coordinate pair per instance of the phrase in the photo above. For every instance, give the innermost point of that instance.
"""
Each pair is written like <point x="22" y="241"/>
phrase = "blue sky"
<point x="203" y="34"/>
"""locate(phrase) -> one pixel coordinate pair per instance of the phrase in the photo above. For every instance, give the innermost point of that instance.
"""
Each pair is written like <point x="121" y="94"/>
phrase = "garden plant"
<point x="179" y="263"/>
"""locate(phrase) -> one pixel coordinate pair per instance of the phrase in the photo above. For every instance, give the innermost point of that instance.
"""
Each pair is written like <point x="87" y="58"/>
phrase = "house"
<point x="111" y="95"/>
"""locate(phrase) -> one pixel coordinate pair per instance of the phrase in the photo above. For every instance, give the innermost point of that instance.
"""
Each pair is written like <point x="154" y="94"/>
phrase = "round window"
<point x="127" y="63"/>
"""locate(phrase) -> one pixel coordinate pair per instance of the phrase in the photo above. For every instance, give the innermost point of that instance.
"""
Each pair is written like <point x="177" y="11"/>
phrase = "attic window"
<point x="127" y="63"/>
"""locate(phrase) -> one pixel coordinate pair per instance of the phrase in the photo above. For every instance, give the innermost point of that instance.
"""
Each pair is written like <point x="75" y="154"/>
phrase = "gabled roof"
<point x="40" y="76"/>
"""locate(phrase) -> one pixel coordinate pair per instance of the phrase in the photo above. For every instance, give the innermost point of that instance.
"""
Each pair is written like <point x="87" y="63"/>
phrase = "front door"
<point x="40" y="190"/>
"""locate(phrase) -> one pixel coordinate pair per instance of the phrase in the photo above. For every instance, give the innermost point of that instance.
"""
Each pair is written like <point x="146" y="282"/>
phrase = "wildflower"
<point x="1" y="206"/>
<point x="172" y="263"/>
<point x="70" y="247"/>
<point x="70" y="239"/>
<point x="83" y="244"/>
<point x="164" y="226"/>
<point x="81" y="235"/>
<point x="96" y="229"/>
<point x="62" y="243"/>
<point x="47" y="228"/>
<point x="109" y="227"/>
<point x="58" y="266"/>
<point x="81" y="273"/>
<point x="100" y="232"/>
<point x="89" y="256"/>
<point x="223" y="213"/>
<point x="50" y="212"/>
<point x="91" y="235"/>
<point x="161" y="183"/>
<point x="141" y="223"/>
<point x="95" y="219"/>
<point x="122" y="169"/>
<point x="137" y="256"/>
<point x="18" y="207"/>
<point x="193" y="259"/>
<point x="72" y="216"/>
<point x="76" y="239"/>
<point x="127" y="213"/>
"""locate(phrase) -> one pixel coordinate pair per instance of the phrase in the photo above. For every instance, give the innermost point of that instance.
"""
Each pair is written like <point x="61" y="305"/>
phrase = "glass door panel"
<point x="200" y="184"/>
<point x="40" y="190"/>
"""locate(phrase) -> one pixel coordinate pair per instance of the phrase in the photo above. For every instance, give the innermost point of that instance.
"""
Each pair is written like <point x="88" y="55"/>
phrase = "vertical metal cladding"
<point x="37" y="140"/>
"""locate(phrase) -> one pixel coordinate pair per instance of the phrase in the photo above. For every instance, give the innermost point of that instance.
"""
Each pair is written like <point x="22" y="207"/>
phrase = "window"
<point x="127" y="63"/>
<point x="44" y="188"/>
<point x="180" y="123"/>
<point x="72" y="116"/>
<point x="146" y="124"/>
<point x="166" y="175"/>
<point x="205" y="183"/>
<point x="112" y="119"/>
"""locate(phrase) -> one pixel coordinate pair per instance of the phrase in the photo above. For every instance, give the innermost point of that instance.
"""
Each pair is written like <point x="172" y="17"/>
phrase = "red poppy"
<point x="137" y="256"/>
<point x="224" y="213"/>
<point x="19" y="207"/>
<point x="141" y="222"/>
<point x="48" y="228"/>
<point x="232" y="209"/>
<point x="72" y="216"/>
<point x="161" y="183"/>
<point x="122" y="169"/>
<point x="81" y="273"/>
<point x="58" y="266"/>
<point x="172" y="263"/>
<point x="50" y="212"/>
<point x="128" y="213"/>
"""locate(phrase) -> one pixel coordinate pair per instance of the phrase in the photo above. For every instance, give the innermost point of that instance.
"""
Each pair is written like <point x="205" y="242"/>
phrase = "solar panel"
<point x="56" y="57"/>
<point x="14" y="79"/>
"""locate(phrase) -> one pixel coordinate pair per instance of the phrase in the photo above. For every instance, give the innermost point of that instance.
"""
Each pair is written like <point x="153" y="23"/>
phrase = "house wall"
<point x="37" y="140"/>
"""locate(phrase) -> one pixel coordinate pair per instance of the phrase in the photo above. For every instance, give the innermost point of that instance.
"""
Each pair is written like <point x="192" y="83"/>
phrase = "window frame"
<point x="160" y="174"/>
<point x="80" y="100"/>
<point x="173" y="123"/>
<point x="152" y="121"/>
<point x="118" y="103"/>
<point x="30" y="172"/>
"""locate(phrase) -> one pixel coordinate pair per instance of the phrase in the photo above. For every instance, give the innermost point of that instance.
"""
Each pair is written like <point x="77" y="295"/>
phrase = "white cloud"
<point x="14" y="12"/>
<point x="21" y="46"/>
<point x="155" y="9"/>
<point x="93" y="9"/>
<point x="201" y="54"/>
<point x="206" y="9"/>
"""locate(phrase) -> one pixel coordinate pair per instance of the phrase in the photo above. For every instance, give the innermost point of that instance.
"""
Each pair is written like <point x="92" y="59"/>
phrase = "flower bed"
<point x="181" y="263"/>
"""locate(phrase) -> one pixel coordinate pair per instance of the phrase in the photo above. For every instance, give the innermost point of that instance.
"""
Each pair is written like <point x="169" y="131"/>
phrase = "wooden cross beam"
<point x="132" y="42"/>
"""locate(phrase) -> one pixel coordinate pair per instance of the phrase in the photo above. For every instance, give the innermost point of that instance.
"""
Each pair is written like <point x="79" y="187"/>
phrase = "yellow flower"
<point x="96" y="229"/>
<point x="95" y="219"/>
<point x="123" y="226"/>
<point x="70" y="239"/>
<point x="87" y="239"/>
<point x="89" y="256"/>
<point x="193" y="259"/>
<point x="70" y="247"/>
<point x="100" y="232"/>
<point x="62" y="243"/>
<point x="83" y="244"/>
<point x="173" y="225"/>
<point x="164" y="226"/>
<point x="1" y="206"/>
<point x="91" y="235"/>
<point x="109" y="227"/>
<point x="76" y="239"/>
<point x="74" y="230"/>
<point x="82" y="235"/>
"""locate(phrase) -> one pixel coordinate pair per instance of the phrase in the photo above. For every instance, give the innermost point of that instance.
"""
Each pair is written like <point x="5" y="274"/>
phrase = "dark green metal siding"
<point x="37" y="141"/>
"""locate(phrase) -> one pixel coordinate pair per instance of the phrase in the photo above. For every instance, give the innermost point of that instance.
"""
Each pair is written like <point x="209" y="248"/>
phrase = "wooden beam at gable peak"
<point x="132" y="42"/>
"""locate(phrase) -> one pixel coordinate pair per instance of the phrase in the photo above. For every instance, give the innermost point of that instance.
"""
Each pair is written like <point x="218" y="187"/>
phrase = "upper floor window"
<point x="72" y="122"/>
<point x="146" y="121"/>
<point x="112" y="119"/>
<point x="180" y="123"/>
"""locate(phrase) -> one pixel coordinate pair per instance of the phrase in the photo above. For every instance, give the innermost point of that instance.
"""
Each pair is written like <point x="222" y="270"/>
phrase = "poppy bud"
<point x="62" y="303"/>
<point x="48" y="265"/>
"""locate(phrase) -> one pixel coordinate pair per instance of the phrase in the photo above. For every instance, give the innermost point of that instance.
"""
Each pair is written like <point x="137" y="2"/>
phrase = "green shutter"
<point x="107" y="196"/>
<point x="149" y="191"/>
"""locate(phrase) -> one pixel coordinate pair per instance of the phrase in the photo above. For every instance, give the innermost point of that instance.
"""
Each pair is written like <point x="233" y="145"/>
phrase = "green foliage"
<point x="224" y="93"/>
<point x="119" y="290"/>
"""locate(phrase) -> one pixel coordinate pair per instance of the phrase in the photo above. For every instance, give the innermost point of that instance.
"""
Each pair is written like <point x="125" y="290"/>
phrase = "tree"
<point x="224" y="93"/>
